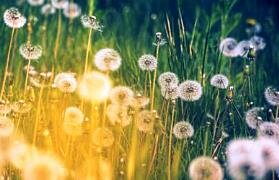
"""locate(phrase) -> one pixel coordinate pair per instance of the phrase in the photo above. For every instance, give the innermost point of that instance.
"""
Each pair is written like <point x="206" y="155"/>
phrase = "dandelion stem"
<point x="57" y="35"/>
<point x="154" y="79"/>
<point x="87" y="50"/>
<point x="277" y="112"/>
<point x="37" y="116"/>
<point x="7" y="64"/>
<point x="170" y="142"/>
<point x="26" y="78"/>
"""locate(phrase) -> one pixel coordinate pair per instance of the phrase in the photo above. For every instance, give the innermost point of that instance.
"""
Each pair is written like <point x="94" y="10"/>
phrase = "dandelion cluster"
<point x="93" y="108"/>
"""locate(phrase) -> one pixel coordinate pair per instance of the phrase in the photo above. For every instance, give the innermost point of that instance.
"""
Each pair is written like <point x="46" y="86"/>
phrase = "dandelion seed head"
<point x="48" y="9"/>
<point x="35" y="2"/>
<point x="242" y="48"/>
<point x="118" y="115"/>
<point x="121" y="95"/>
<point x="190" y="90"/>
<point x="254" y="27"/>
<point x="102" y="137"/>
<point x="272" y="96"/>
<point x="252" y="117"/>
<point x="145" y="121"/>
<point x="13" y="18"/>
<point x="257" y="42"/>
<point x="107" y="60"/>
<point x="21" y="106"/>
<point x="170" y="92"/>
<point x="269" y="129"/>
<point x="270" y="152"/>
<point x="73" y="115"/>
<point x="5" y="108"/>
<point x="167" y="79"/>
<point x="37" y="82"/>
<point x="147" y="62"/>
<point x="245" y="160"/>
<point x="91" y="22"/>
<point x="227" y="47"/>
<point x="6" y="127"/>
<point x="140" y="101"/>
<point x="59" y="4"/>
<point x="220" y="81"/>
<point x="72" y="10"/>
<point x="205" y="168"/>
<point x="94" y="86"/>
<point x="43" y="167"/>
<point x="65" y="82"/>
<point x="19" y="153"/>
<point x="30" y="52"/>
<point x="183" y="130"/>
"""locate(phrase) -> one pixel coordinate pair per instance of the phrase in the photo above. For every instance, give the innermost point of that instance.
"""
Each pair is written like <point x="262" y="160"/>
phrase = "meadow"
<point x="138" y="92"/>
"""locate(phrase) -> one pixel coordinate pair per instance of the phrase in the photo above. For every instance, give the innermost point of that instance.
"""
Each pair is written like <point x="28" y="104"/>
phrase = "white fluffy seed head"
<point x="183" y="130"/>
<point x="252" y="117"/>
<point x="245" y="160"/>
<point x="95" y="82"/>
<point x="121" y="95"/>
<point x="6" y="127"/>
<point x="59" y="4"/>
<point x="145" y="121"/>
<point x="272" y="96"/>
<point x="242" y="48"/>
<point x="203" y="167"/>
<point x="118" y="115"/>
<point x="73" y="115"/>
<point x="227" y="47"/>
<point x="170" y="92"/>
<point x="47" y="9"/>
<point x="147" y="62"/>
<point x="140" y="101"/>
<point x="91" y="22"/>
<point x="167" y="79"/>
<point x="220" y="81"/>
<point x="13" y="18"/>
<point x="65" y="82"/>
<point x="36" y="2"/>
<point x="269" y="129"/>
<point x="270" y="152"/>
<point x="30" y="52"/>
<point x="43" y="167"/>
<point x="257" y="42"/>
<point x="190" y="90"/>
<point x="72" y="10"/>
<point x="102" y="137"/>
<point x="107" y="60"/>
<point x="73" y="119"/>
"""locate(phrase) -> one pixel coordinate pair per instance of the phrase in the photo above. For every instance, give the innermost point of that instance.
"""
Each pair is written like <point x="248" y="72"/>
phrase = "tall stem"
<point x="57" y="40"/>
<point x="170" y="142"/>
<point x="26" y="78"/>
<point x="7" y="65"/>
<point x="154" y="79"/>
<point x="87" y="50"/>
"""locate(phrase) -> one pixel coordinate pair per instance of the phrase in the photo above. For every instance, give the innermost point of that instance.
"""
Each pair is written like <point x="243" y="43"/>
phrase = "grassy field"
<point x="129" y="141"/>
